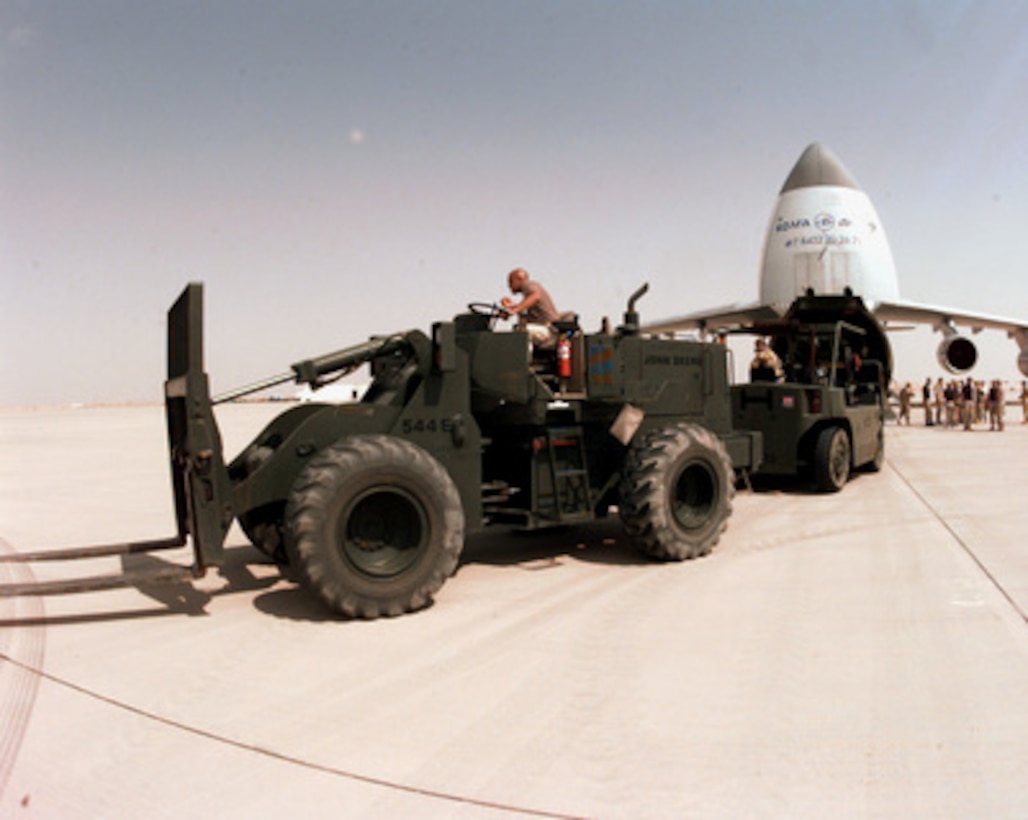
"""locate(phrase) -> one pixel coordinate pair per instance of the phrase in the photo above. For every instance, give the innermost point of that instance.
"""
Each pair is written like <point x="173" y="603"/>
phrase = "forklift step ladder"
<point x="570" y="474"/>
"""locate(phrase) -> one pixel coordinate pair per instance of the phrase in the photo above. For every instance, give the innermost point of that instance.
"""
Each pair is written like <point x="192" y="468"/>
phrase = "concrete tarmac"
<point x="863" y="654"/>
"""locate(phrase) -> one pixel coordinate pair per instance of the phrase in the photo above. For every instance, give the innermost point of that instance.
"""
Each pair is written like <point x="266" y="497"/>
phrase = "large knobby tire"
<point x="676" y="492"/>
<point x="374" y="526"/>
<point x="833" y="457"/>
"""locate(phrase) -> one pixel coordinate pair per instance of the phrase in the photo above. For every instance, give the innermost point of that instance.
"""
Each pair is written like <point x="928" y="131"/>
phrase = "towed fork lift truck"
<point x="826" y="416"/>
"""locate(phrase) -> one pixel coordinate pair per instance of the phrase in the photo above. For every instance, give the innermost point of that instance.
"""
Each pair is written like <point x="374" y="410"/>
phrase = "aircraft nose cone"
<point x="818" y="166"/>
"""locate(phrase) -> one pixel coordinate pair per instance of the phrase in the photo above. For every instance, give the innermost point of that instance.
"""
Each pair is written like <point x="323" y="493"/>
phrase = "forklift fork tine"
<point x="76" y="553"/>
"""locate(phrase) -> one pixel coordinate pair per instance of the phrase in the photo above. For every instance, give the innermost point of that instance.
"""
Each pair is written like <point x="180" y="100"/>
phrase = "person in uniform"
<point x="952" y="397"/>
<point x="969" y="398"/>
<point x="535" y="311"/>
<point x="766" y="366"/>
<point x="997" y="398"/>
<point x="906" y="396"/>
<point x="926" y="397"/>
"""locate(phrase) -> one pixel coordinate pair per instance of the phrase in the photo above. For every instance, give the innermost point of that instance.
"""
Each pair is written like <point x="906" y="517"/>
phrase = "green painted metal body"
<point x="522" y="446"/>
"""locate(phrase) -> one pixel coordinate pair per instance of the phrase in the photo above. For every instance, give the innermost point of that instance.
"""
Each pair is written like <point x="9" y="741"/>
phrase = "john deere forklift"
<point x="465" y="427"/>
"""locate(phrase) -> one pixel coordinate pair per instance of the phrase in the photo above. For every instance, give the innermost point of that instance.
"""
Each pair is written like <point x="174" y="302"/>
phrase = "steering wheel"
<point x="490" y="310"/>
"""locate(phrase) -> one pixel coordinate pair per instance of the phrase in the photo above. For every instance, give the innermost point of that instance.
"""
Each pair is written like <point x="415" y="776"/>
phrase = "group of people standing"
<point x="960" y="403"/>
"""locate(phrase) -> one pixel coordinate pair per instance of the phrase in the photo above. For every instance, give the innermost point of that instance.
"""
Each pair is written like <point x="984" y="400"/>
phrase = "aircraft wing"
<point x="956" y="353"/>
<point x="941" y="316"/>
<point x="728" y="317"/>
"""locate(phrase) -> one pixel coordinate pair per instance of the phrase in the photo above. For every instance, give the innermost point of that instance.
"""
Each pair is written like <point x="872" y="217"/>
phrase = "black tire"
<point x="676" y="492"/>
<point x="833" y="457"/>
<point x="265" y="533"/>
<point x="374" y="526"/>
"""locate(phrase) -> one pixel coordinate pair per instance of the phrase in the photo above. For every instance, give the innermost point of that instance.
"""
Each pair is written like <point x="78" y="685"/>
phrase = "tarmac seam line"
<point x="963" y="544"/>
<point x="248" y="747"/>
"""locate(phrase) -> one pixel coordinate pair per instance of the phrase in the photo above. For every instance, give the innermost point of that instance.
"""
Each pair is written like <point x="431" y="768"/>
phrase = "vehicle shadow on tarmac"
<point x="601" y="542"/>
<point x="170" y="598"/>
<point x="788" y="485"/>
<point x="247" y="571"/>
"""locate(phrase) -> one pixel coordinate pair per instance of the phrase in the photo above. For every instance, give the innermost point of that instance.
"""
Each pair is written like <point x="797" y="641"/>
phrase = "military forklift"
<point x="368" y="503"/>
<point x="823" y="415"/>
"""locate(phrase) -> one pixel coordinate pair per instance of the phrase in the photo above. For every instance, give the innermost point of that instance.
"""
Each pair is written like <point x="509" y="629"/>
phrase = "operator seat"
<point x="544" y="357"/>
<point x="566" y="322"/>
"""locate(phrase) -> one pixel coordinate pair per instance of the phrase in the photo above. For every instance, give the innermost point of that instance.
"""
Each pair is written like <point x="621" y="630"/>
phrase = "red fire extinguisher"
<point x="564" y="357"/>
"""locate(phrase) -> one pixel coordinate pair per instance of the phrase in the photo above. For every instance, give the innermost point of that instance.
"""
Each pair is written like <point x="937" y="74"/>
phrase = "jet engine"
<point x="1022" y="361"/>
<point x="956" y="353"/>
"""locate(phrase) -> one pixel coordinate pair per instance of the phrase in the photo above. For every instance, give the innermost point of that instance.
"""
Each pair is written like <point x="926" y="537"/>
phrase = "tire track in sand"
<point x="21" y="652"/>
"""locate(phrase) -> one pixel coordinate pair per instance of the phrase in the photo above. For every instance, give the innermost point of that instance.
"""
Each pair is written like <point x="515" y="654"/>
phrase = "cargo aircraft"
<point x="825" y="238"/>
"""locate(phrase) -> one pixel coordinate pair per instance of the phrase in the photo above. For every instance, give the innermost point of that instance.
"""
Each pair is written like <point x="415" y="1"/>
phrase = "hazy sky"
<point x="333" y="170"/>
